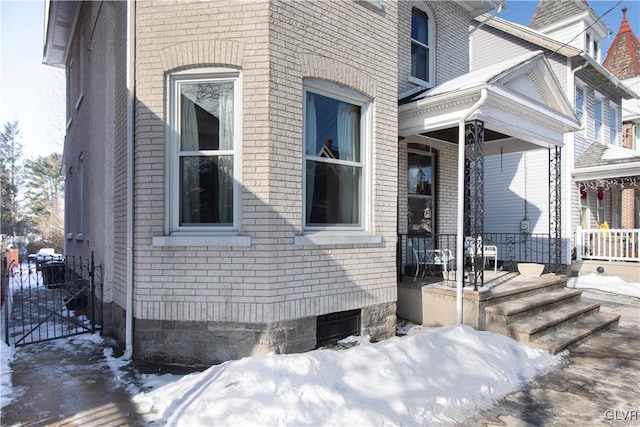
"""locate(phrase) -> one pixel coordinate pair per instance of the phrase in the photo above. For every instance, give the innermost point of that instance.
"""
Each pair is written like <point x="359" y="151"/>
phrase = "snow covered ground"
<point x="429" y="376"/>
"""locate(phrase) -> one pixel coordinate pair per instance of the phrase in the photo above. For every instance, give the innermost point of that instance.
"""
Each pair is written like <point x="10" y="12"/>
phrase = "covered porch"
<point x="513" y="106"/>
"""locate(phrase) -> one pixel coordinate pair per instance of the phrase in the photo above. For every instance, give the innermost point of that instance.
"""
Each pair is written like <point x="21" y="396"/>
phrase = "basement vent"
<point x="336" y="326"/>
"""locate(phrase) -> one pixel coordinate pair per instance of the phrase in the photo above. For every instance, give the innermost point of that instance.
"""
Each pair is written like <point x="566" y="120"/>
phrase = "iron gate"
<point x="49" y="298"/>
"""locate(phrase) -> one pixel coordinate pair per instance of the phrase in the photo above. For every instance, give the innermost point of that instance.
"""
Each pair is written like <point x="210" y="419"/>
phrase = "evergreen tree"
<point x="10" y="177"/>
<point x="44" y="197"/>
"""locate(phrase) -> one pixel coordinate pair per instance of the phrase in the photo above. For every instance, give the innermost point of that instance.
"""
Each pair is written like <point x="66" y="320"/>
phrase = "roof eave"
<point x="625" y="91"/>
<point x="534" y="37"/>
<point x="61" y="18"/>
<point x="607" y="171"/>
<point x="478" y="7"/>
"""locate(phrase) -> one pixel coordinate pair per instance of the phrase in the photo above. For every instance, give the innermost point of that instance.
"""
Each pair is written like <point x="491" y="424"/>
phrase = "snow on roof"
<point x="480" y="76"/>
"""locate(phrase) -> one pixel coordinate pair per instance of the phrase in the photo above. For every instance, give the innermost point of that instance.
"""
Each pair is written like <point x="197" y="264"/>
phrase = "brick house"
<point x="240" y="168"/>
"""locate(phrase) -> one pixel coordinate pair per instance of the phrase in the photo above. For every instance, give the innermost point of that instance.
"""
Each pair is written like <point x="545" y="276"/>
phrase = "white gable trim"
<point x="540" y="118"/>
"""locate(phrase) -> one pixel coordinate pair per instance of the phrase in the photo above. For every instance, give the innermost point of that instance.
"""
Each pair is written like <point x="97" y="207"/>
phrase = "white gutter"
<point x="460" y="215"/>
<point x="612" y="79"/>
<point x="131" y="43"/>
<point x="501" y="7"/>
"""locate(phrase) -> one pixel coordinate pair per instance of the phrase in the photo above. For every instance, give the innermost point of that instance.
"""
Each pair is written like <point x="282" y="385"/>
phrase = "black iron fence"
<point x="512" y="248"/>
<point x="51" y="297"/>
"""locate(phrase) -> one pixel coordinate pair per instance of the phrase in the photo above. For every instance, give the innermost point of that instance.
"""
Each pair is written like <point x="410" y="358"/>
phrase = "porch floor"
<point x="496" y="284"/>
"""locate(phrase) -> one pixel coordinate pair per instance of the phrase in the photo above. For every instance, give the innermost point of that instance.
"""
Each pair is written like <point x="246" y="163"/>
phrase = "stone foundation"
<point x="207" y="343"/>
<point x="379" y="321"/>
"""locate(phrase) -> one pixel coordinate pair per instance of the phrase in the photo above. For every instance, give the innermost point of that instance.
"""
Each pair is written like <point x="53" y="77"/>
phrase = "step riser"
<point x="501" y="319"/>
<point x="526" y="338"/>
<point x="577" y="341"/>
<point x="527" y="293"/>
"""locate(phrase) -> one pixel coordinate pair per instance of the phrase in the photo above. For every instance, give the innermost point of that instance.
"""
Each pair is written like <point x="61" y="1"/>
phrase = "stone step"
<point x="575" y="332"/>
<point x="544" y="322"/>
<point x="532" y="304"/>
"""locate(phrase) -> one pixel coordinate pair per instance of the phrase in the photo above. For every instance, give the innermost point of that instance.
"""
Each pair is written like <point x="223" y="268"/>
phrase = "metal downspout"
<point x="501" y="7"/>
<point x="131" y="43"/>
<point x="460" y="213"/>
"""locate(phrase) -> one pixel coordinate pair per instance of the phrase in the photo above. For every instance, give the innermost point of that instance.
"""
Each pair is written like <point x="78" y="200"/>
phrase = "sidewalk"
<point x="69" y="383"/>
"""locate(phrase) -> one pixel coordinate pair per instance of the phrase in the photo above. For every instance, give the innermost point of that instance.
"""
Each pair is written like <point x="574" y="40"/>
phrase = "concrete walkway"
<point x="67" y="385"/>
<point x="598" y="385"/>
<point x="71" y="384"/>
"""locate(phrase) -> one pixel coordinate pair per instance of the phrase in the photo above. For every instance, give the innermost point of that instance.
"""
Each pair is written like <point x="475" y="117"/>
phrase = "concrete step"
<point x="529" y="305"/>
<point x="544" y="322"/>
<point x="574" y="333"/>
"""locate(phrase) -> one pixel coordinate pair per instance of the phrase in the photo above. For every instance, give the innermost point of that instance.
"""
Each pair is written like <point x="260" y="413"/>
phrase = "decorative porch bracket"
<point x="474" y="199"/>
<point x="555" y="224"/>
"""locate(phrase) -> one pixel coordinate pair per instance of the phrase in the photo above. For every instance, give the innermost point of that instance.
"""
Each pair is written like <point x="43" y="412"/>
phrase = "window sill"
<point x="420" y="82"/>
<point x="222" y="240"/>
<point x="79" y="236"/>
<point x="335" y="238"/>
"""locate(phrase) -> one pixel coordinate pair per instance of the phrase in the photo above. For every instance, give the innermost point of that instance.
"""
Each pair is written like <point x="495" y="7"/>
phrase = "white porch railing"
<point x="607" y="244"/>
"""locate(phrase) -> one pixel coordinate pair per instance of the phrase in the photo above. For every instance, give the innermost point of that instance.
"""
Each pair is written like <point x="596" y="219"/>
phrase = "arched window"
<point x="422" y="46"/>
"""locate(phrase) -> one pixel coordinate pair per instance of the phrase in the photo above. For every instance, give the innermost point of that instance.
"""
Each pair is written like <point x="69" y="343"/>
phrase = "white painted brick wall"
<point x="276" y="45"/>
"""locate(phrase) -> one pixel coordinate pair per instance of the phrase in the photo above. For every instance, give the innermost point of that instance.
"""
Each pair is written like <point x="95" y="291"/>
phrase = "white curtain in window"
<point x="347" y="146"/>
<point x="190" y="176"/>
<point x="225" y="163"/>
<point x="311" y="135"/>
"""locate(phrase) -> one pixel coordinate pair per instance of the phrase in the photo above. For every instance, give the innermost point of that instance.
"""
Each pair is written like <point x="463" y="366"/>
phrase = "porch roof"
<point x="519" y="100"/>
<point x="601" y="161"/>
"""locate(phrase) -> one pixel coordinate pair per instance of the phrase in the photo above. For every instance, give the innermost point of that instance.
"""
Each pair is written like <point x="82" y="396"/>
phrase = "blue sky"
<point x="521" y="11"/>
<point x="30" y="92"/>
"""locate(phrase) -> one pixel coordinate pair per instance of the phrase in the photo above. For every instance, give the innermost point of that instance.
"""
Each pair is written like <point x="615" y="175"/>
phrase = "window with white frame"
<point x="336" y="138"/>
<point x="579" y="103"/>
<point x="80" y="197"/>
<point x="597" y="120"/>
<point x="422" y="46"/>
<point x="203" y="146"/>
<point x="613" y="124"/>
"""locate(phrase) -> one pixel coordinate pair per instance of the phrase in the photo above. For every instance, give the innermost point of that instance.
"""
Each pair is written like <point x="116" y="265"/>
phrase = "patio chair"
<point x="490" y="251"/>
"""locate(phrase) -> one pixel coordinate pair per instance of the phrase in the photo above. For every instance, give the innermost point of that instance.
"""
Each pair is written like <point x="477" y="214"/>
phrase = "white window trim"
<point x="332" y="235"/>
<point x="80" y="199"/>
<point x="581" y="86"/>
<point x="214" y="235"/>
<point x="80" y="80"/>
<point x="431" y="36"/>
<point x="598" y="136"/>
<point x="614" y="107"/>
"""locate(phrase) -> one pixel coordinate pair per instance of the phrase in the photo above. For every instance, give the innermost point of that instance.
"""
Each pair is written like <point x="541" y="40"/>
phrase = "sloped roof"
<point x="623" y="58"/>
<point x="551" y="11"/>
<point x="601" y="161"/>
<point x="519" y="99"/>
<point x="604" y="76"/>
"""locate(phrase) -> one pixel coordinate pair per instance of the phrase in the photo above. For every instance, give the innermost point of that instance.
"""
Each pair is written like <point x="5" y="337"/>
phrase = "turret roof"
<point x="623" y="57"/>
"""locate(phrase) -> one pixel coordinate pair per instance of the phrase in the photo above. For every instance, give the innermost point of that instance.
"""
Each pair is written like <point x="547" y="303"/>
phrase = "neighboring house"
<point x="569" y="34"/>
<point x="623" y="60"/>
<point x="243" y="170"/>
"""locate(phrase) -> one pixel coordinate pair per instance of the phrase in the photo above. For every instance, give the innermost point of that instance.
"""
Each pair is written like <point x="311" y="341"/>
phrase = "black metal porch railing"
<point x="513" y="248"/>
